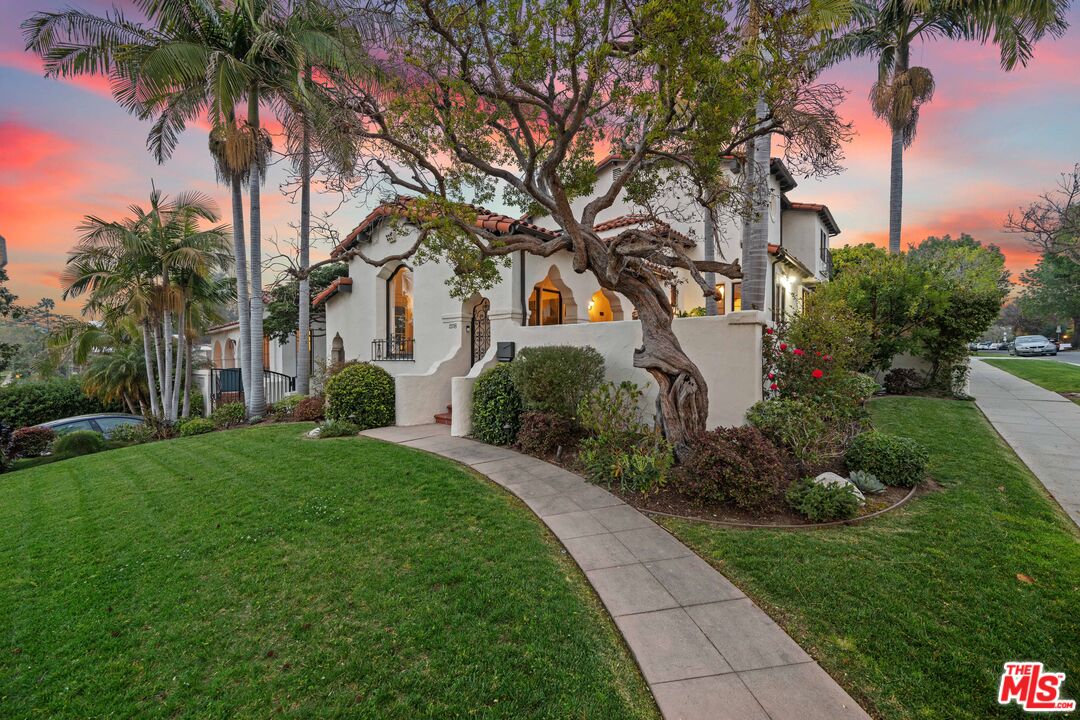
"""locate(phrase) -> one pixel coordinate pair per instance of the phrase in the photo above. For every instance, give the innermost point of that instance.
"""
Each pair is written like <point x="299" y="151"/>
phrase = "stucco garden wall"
<point x="727" y="350"/>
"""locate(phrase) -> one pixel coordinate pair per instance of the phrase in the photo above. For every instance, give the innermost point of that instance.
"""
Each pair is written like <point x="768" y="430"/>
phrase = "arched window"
<point x="337" y="351"/>
<point x="604" y="307"/>
<point x="217" y="353"/>
<point x="399" y="311"/>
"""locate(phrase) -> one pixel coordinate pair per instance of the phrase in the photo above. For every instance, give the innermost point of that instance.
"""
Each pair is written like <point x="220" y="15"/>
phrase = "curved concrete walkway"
<point x="1041" y="426"/>
<point x="706" y="651"/>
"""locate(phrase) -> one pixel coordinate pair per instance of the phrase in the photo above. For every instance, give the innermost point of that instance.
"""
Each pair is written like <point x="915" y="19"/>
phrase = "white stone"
<point x="831" y="478"/>
<point x="314" y="432"/>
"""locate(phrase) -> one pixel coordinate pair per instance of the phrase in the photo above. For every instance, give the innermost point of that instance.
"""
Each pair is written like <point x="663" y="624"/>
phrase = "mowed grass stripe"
<point x="253" y="572"/>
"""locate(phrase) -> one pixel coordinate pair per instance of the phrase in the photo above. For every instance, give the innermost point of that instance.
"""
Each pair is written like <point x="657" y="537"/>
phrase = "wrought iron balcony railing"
<point x="392" y="349"/>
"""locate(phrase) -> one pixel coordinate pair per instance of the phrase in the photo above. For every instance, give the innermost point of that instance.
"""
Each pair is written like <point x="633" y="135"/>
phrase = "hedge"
<point x="23" y="404"/>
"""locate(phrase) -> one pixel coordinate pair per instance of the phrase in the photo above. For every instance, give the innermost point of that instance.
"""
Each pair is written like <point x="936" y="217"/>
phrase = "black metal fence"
<point x="227" y="386"/>
<point x="392" y="349"/>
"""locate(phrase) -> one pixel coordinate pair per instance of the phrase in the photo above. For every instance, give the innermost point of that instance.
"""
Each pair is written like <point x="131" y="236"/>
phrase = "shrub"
<point x="496" y="409"/>
<point x="736" y="465"/>
<point x="228" y="414"/>
<point x="31" y="441"/>
<point x="641" y="465"/>
<point x="79" y="442"/>
<point x="822" y="503"/>
<point x="338" y="428"/>
<point x="361" y="393"/>
<point x="867" y="482"/>
<point x="309" y="409"/>
<point x="611" y="409"/>
<point x="543" y="433"/>
<point x="133" y="433"/>
<point x="196" y="426"/>
<point x="901" y="381"/>
<point x="23" y="404"/>
<point x="7" y="440"/>
<point x="893" y="459"/>
<point x="554" y="379"/>
<point x="283" y="408"/>
<point x="792" y="424"/>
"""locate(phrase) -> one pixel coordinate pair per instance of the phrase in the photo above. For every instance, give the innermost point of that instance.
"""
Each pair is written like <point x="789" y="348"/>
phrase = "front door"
<point x="480" y="328"/>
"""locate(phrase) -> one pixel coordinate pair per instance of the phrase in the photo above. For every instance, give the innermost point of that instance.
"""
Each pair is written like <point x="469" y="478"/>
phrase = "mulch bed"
<point x="670" y="502"/>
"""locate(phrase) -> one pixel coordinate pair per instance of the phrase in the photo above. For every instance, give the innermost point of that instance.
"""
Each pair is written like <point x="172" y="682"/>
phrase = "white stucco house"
<point x="401" y="315"/>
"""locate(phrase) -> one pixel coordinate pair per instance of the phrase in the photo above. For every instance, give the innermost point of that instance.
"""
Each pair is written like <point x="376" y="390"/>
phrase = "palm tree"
<point x="143" y="267"/>
<point x="886" y="29"/>
<point x="118" y="374"/>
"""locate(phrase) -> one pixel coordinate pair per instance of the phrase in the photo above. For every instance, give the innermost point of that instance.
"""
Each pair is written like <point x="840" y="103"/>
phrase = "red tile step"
<point x="444" y="418"/>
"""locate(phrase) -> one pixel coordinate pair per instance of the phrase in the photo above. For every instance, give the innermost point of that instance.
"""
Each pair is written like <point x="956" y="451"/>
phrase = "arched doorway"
<point x="551" y="301"/>
<point x="230" y="354"/>
<point x="604" y="306"/>
<point x="480" y="330"/>
<point x="399" y="313"/>
<point x="337" y="351"/>
<point x="217" y="354"/>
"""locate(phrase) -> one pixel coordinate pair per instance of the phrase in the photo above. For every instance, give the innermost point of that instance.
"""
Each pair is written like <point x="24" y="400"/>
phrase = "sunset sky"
<point x="989" y="142"/>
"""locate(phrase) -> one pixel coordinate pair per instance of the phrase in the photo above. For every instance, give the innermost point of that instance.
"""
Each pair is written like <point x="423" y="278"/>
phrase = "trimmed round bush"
<point x="893" y="459"/>
<point x="901" y="381"/>
<point x="228" y="414"/>
<point x="792" y="424"/>
<point x="80" y="442"/>
<point x="283" y="408"/>
<point x="31" y="441"/>
<point x="362" y="393"/>
<point x="543" y="433"/>
<point x="737" y="465"/>
<point x="556" y="378"/>
<point x="496" y="407"/>
<point x="822" y="503"/>
<point x="133" y="433"/>
<point x="309" y="409"/>
<point x="196" y="426"/>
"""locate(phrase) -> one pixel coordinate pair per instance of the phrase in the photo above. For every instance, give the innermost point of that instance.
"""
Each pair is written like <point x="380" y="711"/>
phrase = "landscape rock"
<point x="314" y="432"/>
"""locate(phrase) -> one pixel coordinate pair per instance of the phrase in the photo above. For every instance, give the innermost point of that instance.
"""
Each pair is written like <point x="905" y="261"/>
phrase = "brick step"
<point x="446" y="417"/>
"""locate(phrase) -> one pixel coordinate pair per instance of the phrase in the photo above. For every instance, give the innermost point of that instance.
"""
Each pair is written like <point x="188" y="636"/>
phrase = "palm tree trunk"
<point x="757" y="257"/>
<point x="896" y="164"/>
<point x="243" y="298"/>
<point x="189" y="377"/>
<point x="167" y="370"/>
<point x="257" y="401"/>
<point x="710" y="255"/>
<point x="896" y="190"/>
<point x="149" y="360"/>
<point x="160" y="366"/>
<point x="303" y="356"/>
<point x="181" y="341"/>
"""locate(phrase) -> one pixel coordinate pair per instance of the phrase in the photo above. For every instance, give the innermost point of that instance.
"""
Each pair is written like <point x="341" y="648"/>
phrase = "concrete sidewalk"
<point x="1041" y="426"/>
<point x="706" y="651"/>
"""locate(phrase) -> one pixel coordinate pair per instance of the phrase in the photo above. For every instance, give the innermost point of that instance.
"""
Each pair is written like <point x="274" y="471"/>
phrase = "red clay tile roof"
<point x="333" y="288"/>
<point x="485" y="219"/>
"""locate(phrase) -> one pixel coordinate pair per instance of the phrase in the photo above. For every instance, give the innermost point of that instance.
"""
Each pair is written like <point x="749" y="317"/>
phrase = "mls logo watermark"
<point x="1034" y="690"/>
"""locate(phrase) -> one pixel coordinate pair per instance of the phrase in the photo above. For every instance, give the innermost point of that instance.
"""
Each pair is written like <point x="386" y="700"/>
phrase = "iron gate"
<point x="480" y="329"/>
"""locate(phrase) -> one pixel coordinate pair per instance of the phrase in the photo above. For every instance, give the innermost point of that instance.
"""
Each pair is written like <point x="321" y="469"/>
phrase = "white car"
<point x="1032" y="345"/>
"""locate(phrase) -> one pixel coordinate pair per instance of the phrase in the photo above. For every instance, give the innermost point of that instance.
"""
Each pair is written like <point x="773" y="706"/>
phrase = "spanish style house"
<point x="402" y="317"/>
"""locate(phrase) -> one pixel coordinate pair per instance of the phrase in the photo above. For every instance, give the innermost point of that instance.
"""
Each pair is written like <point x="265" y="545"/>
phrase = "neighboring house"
<point x="401" y="315"/>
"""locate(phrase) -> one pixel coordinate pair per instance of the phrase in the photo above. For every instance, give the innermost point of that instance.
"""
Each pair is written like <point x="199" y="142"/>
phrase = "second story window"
<point x="824" y="245"/>
<point x="399" y="307"/>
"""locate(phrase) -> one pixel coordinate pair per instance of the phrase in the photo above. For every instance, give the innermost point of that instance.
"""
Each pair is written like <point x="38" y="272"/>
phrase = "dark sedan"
<point x="103" y="423"/>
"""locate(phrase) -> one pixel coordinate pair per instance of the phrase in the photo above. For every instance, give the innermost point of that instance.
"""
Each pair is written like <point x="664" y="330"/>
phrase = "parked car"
<point x="1000" y="346"/>
<point x="103" y="423"/>
<point x="1032" y="345"/>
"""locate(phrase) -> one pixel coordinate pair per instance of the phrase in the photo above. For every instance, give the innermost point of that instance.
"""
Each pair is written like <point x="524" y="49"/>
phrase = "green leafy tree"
<point x="1052" y="290"/>
<point x="494" y="100"/>
<point x="887" y="29"/>
<point x="282" y="312"/>
<point x="8" y="309"/>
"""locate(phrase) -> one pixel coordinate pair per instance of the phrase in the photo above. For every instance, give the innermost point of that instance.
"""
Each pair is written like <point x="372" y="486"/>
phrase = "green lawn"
<point x="915" y="612"/>
<point x="254" y="573"/>
<point x="1056" y="376"/>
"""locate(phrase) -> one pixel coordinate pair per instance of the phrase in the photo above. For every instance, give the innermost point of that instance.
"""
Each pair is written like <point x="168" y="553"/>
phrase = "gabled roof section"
<point x="341" y="284"/>
<point x="822" y="211"/>
<point x="485" y="219"/>
<point x="782" y="254"/>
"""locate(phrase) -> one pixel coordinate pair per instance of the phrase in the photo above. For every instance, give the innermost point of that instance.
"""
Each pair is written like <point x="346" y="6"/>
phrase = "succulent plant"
<point x="867" y="482"/>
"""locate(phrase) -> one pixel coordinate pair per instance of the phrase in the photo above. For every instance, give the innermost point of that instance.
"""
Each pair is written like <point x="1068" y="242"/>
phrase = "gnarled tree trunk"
<point x="683" y="400"/>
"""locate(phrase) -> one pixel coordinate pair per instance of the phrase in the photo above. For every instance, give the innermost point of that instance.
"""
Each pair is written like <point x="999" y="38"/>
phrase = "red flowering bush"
<point x="809" y="373"/>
